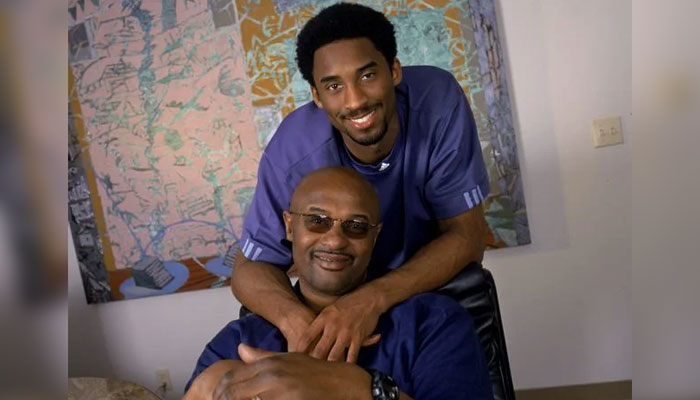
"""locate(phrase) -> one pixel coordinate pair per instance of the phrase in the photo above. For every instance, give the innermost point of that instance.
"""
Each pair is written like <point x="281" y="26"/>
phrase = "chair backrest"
<point x="475" y="290"/>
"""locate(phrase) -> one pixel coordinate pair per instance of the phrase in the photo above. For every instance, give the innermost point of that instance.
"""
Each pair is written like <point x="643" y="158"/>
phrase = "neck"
<point x="315" y="299"/>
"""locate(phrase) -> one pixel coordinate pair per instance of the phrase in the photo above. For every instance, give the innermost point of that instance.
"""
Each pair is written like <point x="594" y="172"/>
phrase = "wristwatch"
<point x="383" y="387"/>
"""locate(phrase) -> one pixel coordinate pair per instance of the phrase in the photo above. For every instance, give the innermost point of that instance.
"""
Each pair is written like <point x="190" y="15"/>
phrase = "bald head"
<point x="336" y="180"/>
<point x="333" y="223"/>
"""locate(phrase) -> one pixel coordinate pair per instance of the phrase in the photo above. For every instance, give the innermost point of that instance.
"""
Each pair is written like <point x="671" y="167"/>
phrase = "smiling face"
<point x="334" y="262"/>
<point x="354" y="85"/>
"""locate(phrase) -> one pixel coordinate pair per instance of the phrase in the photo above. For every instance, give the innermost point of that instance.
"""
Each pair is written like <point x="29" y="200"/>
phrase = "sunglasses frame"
<point x="342" y="222"/>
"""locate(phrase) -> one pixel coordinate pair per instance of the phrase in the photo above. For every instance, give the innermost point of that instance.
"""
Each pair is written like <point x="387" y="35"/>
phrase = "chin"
<point x="367" y="139"/>
<point x="334" y="286"/>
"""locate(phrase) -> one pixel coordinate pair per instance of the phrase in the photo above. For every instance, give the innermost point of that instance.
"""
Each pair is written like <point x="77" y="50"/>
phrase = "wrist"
<point x="290" y="316"/>
<point x="377" y="296"/>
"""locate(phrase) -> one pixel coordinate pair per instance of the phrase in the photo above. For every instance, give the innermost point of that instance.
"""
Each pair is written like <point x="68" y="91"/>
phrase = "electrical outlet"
<point x="163" y="380"/>
<point x="606" y="131"/>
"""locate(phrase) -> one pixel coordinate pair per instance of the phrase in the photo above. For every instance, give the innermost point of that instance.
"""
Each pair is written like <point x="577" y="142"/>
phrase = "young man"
<point x="410" y="132"/>
<point x="428" y="347"/>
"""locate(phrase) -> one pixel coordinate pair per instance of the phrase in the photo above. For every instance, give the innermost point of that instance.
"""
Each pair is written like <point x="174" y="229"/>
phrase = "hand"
<point x="345" y="324"/>
<point x="294" y="327"/>
<point x="293" y="376"/>
<point x="204" y="385"/>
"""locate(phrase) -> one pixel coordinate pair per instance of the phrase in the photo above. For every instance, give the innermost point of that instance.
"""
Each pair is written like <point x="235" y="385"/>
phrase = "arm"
<point x="462" y="240"/>
<point x="257" y="281"/>
<point x="266" y="290"/>
<point x="292" y="376"/>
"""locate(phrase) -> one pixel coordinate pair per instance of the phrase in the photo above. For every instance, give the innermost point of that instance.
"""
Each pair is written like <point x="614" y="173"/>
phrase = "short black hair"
<point x="344" y="21"/>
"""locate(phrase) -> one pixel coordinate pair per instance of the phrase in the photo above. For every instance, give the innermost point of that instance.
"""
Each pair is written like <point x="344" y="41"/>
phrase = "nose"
<point x="355" y="98"/>
<point x="335" y="239"/>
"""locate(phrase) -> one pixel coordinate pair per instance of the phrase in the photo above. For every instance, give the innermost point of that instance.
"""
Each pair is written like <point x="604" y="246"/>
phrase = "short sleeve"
<point x="263" y="237"/>
<point x="457" y="180"/>
<point x="449" y="363"/>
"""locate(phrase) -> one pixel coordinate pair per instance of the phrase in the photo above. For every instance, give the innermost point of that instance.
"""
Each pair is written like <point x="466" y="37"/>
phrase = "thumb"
<point x="372" y="340"/>
<point x="250" y="354"/>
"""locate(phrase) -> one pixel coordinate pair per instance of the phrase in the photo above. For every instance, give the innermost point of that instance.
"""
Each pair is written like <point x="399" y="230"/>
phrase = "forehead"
<point x="345" y="55"/>
<point x="339" y="197"/>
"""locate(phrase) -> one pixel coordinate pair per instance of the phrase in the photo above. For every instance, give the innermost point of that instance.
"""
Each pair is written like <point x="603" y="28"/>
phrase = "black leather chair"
<point x="475" y="290"/>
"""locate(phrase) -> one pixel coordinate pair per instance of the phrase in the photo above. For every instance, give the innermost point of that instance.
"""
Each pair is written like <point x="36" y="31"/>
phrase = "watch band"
<point x="383" y="386"/>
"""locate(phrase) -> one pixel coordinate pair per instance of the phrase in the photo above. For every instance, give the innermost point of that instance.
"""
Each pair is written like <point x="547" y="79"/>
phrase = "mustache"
<point x="359" y="112"/>
<point x="333" y="252"/>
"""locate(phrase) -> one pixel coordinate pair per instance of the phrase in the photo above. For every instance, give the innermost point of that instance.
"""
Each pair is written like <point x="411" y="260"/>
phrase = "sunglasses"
<point x="319" y="223"/>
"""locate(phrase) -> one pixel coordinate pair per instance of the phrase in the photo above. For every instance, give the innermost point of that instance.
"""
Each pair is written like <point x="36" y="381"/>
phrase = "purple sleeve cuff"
<point x="462" y="202"/>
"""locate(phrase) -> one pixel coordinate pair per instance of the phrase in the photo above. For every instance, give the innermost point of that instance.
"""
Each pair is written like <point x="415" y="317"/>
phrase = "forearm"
<point x="264" y="289"/>
<point x="435" y="264"/>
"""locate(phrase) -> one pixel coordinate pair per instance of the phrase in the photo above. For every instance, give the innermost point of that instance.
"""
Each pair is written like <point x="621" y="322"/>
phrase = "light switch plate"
<point x="606" y="131"/>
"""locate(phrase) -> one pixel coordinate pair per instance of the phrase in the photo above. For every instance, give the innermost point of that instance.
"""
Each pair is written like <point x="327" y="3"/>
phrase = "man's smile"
<point x="332" y="261"/>
<point x="363" y="120"/>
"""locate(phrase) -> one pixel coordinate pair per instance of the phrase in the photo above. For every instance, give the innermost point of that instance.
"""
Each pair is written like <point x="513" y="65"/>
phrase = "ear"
<point x="317" y="99"/>
<point x="287" y="217"/>
<point x="396" y="72"/>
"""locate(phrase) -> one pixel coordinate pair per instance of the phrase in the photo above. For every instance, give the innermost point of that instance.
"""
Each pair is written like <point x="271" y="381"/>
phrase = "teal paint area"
<point x="422" y="38"/>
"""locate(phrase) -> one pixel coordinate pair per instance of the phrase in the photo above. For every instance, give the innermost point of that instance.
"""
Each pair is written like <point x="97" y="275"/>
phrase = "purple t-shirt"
<point x="434" y="171"/>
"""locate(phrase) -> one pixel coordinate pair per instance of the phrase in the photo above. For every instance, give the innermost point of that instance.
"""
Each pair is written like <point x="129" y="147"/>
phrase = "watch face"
<point x="383" y="387"/>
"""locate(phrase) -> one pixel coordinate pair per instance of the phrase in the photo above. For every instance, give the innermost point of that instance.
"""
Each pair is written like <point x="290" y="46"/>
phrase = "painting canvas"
<point x="172" y="102"/>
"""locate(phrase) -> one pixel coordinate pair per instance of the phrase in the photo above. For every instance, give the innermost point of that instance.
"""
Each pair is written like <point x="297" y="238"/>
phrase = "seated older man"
<point x="424" y="348"/>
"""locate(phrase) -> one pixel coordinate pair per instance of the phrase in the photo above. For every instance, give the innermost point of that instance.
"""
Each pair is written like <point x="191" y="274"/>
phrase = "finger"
<point x="250" y="354"/>
<point x="337" y="353"/>
<point x="353" y="352"/>
<point x="372" y="340"/>
<point x="320" y="351"/>
<point x="311" y="335"/>
<point x="354" y="349"/>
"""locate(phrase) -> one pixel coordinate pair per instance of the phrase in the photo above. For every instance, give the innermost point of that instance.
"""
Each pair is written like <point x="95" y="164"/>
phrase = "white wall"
<point x="666" y="184"/>
<point x="130" y="339"/>
<point x="564" y="298"/>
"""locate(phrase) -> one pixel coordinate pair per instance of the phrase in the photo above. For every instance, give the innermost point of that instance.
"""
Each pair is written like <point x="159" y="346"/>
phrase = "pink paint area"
<point x="172" y="138"/>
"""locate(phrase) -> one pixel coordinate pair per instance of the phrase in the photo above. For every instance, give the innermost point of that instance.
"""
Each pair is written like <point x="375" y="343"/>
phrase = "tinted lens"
<point x="355" y="229"/>
<point x="318" y="223"/>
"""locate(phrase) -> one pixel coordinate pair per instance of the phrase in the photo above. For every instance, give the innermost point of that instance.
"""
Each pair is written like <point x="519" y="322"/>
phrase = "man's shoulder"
<point x="304" y="133"/>
<point x="430" y="87"/>
<point x="427" y="74"/>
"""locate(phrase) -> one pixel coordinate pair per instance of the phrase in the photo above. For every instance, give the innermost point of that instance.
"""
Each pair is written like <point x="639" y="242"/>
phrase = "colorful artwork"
<point x="173" y="101"/>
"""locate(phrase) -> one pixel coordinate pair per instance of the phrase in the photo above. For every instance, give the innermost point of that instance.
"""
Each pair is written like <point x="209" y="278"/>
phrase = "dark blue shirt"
<point x="428" y="345"/>
<point x="435" y="170"/>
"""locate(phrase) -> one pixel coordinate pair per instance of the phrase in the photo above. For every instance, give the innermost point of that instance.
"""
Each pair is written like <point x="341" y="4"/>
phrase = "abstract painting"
<point x="172" y="102"/>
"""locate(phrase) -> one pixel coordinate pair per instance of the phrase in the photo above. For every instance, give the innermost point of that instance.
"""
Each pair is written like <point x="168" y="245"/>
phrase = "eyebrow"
<point x="334" y="77"/>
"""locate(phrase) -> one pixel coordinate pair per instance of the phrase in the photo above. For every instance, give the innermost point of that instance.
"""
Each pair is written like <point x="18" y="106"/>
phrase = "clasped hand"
<point x="289" y="376"/>
<point x="338" y="332"/>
